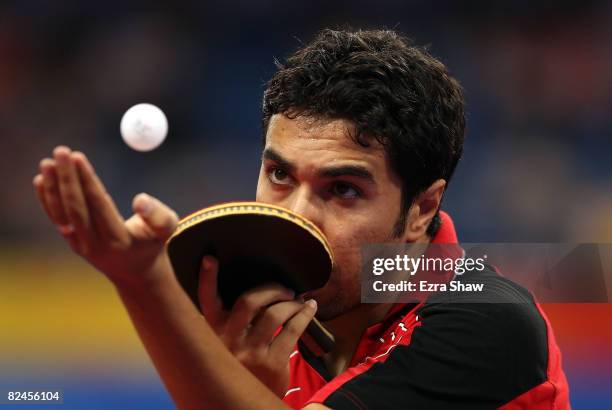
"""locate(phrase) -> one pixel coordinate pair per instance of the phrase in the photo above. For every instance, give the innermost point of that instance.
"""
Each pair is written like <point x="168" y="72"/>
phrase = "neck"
<point x="347" y="330"/>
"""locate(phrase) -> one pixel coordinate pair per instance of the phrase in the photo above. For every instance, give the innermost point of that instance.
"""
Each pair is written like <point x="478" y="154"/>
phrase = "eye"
<point x="345" y="191"/>
<point x="278" y="176"/>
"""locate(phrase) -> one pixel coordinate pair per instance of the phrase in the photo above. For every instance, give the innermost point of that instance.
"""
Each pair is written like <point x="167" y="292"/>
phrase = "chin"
<point x="333" y="301"/>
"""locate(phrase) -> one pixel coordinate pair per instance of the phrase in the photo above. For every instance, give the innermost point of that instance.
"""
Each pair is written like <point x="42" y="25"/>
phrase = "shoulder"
<point x="481" y="352"/>
<point x="498" y="338"/>
<point x="503" y="315"/>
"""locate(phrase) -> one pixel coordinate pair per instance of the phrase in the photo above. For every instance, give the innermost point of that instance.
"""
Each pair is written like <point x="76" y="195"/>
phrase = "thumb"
<point x="210" y="302"/>
<point x="160" y="218"/>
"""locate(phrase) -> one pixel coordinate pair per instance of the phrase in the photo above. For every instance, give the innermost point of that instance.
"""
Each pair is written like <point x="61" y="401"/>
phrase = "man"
<point x="362" y="134"/>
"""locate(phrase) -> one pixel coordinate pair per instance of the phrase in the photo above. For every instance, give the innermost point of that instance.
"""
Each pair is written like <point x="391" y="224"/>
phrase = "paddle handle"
<point x="317" y="339"/>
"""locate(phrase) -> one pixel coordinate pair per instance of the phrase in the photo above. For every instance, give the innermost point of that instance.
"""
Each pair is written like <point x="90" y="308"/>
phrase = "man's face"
<point x="350" y="192"/>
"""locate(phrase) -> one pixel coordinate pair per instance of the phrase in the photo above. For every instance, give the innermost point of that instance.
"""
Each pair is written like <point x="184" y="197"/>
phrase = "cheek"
<point x="349" y="237"/>
<point x="347" y="241"/>
<point x="368" y="223"/>
<point x="263" y="193"/>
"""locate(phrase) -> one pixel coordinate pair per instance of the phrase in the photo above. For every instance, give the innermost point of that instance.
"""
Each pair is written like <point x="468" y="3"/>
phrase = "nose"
<point x="304" y="202"/>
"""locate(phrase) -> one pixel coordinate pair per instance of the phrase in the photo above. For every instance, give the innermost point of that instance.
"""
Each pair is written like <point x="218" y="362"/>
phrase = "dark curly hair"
<point x="390" y="89"/>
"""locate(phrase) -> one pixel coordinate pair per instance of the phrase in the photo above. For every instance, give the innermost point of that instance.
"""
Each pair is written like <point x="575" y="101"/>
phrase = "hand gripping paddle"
<point x="255" y="243"/>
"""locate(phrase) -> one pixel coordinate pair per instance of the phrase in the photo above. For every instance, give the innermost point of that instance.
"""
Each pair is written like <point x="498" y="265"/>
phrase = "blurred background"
<point x="537" y="165"/>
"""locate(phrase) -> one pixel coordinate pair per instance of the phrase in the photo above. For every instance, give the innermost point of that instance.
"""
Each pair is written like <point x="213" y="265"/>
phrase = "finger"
<point x="158" y="217"/>
<point x="250" y="304"/>
<point x="51" y="192"/>
<point x="67" y="231"/>
<point x="108" y="221"/>
<point x="210" y="302"/>
<point x="284" y="343"/>
<point x="40" y="193"/>
<point x="70" y="236"/>
<point x="73" y="199"/>
<point x="270" y="320"/>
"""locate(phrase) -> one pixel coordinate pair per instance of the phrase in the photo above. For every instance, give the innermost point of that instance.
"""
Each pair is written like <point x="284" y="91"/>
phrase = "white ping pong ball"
<point x="144" y="127"/>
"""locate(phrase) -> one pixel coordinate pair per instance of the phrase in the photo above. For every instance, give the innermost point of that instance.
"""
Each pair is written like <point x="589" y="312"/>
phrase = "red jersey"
<point x="438" y="355"/>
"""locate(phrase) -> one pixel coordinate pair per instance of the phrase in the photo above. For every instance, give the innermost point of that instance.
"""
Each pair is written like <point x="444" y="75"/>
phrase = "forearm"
<point x="197" y="369"/>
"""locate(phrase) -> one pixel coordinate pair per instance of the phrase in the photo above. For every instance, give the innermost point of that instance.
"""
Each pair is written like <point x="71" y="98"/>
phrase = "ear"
<point x="422" y="211"/>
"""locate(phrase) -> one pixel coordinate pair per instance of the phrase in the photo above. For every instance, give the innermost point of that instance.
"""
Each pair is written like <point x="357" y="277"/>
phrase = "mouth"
<point x="316" y="293"/>
<point x="311" y="294"/>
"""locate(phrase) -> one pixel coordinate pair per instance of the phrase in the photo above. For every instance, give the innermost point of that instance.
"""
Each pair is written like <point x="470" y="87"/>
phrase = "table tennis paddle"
<point x="255" y="243"/>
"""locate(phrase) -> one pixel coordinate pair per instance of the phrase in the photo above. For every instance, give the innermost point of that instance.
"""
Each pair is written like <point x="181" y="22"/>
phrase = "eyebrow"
<point x="272" y="155"/>
<point x="348" y="170"/>
<point x="327" y="172"/>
